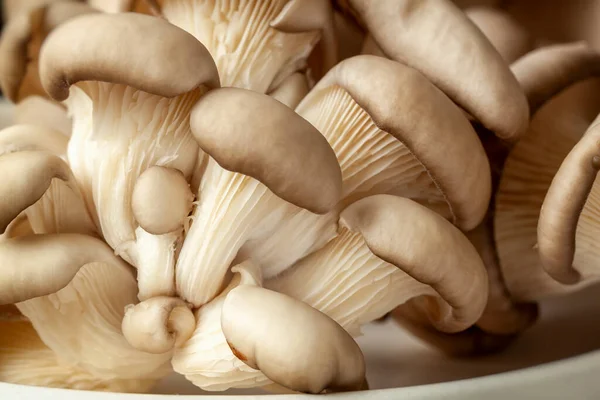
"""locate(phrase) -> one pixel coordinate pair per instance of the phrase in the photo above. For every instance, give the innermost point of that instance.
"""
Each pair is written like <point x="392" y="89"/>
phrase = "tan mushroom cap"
<point x="569" y="214"/>
<point x="528" y="173"/>
<point x="464" y="64"/>
<point x="161" y="200"/>
<point x="20" y="43"/>
<point x="252" y="134"/>
<point x="548" y="70"/>
<point x="454" y="270"/>
<point x="21" y="189"/>
<point x="24" y="137"/>
<point x="508" y="37"/>
<point x="39" y="265"/>
<point x="153" y="55"/>
<point x="403" y="103"/>
<point x="38" y="110"/>
<point x="290" y="342"/>
<point x="159" y="324"/>
<point x="292" y="90"/>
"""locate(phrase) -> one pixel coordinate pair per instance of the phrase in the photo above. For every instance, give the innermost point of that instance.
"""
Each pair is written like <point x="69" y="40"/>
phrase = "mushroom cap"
<point x="37" y="110"/>
<point x="408" y="96"/>
<point x="465" y="65"/>
<point x="22" y="36"/>
<point x="153" y="55"/>
<point x="292" y="90"/>
<point x="158" y="324"/>
<point x="505" y="33"/>
<point x="392" y="227"/>
<point x="36" y="170"/>
<point x="563" y="205"/>
<point x="38" y="265"/>
<point x="548" y="70"/>
<point x="527" y="175"/>
<point x="161" y="200"/>
<point x="24" y="137"/>
<point x="290" y="342"/>
<point x="255" y="135"/>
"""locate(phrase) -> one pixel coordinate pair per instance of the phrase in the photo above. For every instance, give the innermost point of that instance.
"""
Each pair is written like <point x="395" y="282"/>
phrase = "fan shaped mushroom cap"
<point x="261" y="144"/>
<point x="567" y="227"/>
<point x="159" y="324"/>
<point x="37" y="110"/>
<point x="314" y="356"/>
<point x="156" y="57"/>
<point x="425" y="113"/>
<point x="526" y="178"/>
<point x="466" y="66"/>
<point x="548" y="70"/>
<point x="25" y="137"/>
<point x="506" y="34"/>
<point x="21" y="41"/>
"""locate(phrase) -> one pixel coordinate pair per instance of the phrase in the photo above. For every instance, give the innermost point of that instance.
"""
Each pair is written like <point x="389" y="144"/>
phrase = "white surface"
<point x="568" y="327"/>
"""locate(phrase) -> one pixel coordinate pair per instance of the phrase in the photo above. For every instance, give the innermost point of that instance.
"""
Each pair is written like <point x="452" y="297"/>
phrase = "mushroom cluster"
<point x="231" y="189"/>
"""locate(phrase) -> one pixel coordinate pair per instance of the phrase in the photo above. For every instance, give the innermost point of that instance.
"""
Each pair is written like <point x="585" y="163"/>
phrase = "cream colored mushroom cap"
<point x="152" y="55"/>
<point x="256" y="135"/>
<point x="430" y="249"/>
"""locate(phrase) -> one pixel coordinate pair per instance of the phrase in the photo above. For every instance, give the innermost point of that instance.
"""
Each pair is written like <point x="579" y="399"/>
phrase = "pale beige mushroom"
<point x="508" y="37"/>
<point x="266" y="164"/>
<point x="38" y="110"/>
<point x="393" y="132"/>
<point x="568" y="223"/>
<point x="292" y="90"/>
<point x="257" y="44"/>
<point x="158" y="325"/>
<point x="464" y="65"/>
<point x="293" y="344"/>
<point x="21" y="41"/>
<point x="527" y="176"/>
<point x="389" y="250"/>
<point x="110" y="149"/>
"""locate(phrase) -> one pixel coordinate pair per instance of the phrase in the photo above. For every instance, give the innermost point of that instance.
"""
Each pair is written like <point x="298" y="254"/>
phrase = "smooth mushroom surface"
<point x="316" y="355"/>
<point x="262" y="168"/>
<point x="528" y="173"/>
<point x="110" y="149"/>
<point x="37" y="110"/>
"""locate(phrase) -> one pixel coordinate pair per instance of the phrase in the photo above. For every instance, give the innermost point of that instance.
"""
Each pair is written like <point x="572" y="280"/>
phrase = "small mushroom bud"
<point x="161" y="200"/>
<point x="293" y="344"/>
<point x="159" y="324"/>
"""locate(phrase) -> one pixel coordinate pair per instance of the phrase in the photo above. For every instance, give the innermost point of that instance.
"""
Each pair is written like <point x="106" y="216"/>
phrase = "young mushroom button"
<point x="293" y="344"/>
<point x="266" y="162"/>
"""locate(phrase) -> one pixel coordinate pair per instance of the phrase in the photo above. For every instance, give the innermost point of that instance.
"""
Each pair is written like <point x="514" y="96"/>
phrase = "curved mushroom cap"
<point x="568" y="215"/>
<point x="39" y="265"/>
<point x="37" y="110"/>
<point x="454" y="270"/>
<point x="153" y="55"/>
<point x="159" y="324"/>
<point x="290" y="342"/>
<point x="548" y="70"/>
<point x="426" y="121"/>
<point x="465" y="65"/>
<point x="252" y="134"/>
<point x="292" y="90"/>
<point x="526" y="178"/>
<point x="21" y="41"/>
<point x="25" y="137"/>
<point x="507" y="35"/>
<point x="36" y="170"/>
<point x="161" y="200"/>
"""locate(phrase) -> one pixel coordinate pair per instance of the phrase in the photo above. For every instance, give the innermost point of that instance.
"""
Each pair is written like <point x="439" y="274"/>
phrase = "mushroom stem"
<point x="158" y="325"/>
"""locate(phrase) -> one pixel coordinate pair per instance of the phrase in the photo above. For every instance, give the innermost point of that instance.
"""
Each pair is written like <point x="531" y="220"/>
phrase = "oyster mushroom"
<point x="567" y="223"/>
<point x="392" y="132"/>
<point x="315" y="356"/>
<point x="528" y="173"/>
<point x="292" y="90"/>
<point x="508" y="37"/>
<point x="465" y="62"/>
<point x="256" y="44"/>
<point x="263" y="168"/>
<point x="375" y="264"/>
<point x="40" y="111"/>
<point x="128" y="118"/>
<point x="20" y="45"/>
